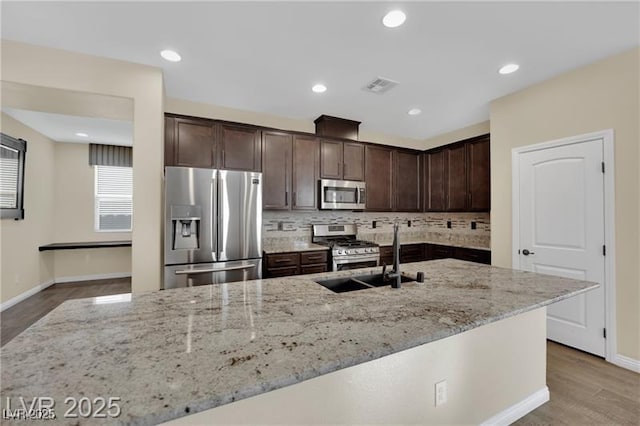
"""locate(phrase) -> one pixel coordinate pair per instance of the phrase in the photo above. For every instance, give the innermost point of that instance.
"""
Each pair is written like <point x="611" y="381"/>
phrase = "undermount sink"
<point x="359" y="282"/>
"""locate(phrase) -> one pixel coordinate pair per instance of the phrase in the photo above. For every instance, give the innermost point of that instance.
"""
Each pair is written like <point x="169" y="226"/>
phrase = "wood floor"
<point x="19" y="317"/>
<point x="586" y="390"/>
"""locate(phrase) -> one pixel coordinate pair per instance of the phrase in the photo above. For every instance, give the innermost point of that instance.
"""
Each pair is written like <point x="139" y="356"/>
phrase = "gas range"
<point x="347" y="252"/>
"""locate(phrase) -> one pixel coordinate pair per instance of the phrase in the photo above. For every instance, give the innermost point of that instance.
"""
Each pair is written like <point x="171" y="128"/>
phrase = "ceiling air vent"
<point x="380" y="85"/>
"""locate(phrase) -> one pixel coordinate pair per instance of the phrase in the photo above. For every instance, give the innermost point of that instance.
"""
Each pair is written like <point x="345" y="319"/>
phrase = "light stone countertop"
<point x="175" y="352"/>
<point x="292" y="247"/>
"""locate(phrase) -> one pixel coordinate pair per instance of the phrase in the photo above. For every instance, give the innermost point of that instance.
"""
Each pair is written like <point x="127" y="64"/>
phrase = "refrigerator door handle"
<point x="210" y="270"/>
<point x="214" y="216"/>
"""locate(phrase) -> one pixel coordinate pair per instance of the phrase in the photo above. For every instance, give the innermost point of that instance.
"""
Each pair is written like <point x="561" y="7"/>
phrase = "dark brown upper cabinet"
<point x="240" y="148"/>
<point x="199" y="142"/>
<point x="330" y="159"/>
<point x="479" y="171"/>
<point x="276" y="170"/>
<point x="455" y="180"/>
<point x="190" y="142"/>
<point x="434" y="181"/>
<point x="406" y="181"/>
<point x="305" y="173"/>
<point x="457" y="176"/>
<point x="378" y="178"/>
<point x="341" y="160"/>
<point x="353" y="161"/>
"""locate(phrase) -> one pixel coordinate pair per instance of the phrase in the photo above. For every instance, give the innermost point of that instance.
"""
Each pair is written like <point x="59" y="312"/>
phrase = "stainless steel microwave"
<point x="342" y="195"/>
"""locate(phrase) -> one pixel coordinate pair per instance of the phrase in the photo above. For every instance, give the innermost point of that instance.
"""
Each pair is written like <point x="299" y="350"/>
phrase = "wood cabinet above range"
<point x="199" y="142"/>
<point x="341" y="160"/>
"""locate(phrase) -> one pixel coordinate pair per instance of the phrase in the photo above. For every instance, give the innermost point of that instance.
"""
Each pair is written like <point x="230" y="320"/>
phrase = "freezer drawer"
<point x="178" y="276"/>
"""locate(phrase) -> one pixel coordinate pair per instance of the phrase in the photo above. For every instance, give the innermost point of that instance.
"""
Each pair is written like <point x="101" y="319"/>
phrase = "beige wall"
<point x="603" y="95"/>
<point x="457" y="135"/>
<point x="23" y="266"/>
<point x="196" y="109"/>
<point x="74" y="218"/>
<point x="53" y="68"/>
<point x="487" y="369"/>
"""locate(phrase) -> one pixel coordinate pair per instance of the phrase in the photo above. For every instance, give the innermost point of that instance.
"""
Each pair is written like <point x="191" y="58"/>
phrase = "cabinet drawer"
<point x="313" y="257"/>
<point x="282" y="272"/>
<point x="473" y="255"/>
<point x="386" y="251"/>
<point x="313" y="269"/>
<point x="282" y="259"/>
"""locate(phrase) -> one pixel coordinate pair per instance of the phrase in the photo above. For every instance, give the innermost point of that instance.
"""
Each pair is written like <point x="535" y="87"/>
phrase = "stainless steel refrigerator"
<point x="213" y="224"/>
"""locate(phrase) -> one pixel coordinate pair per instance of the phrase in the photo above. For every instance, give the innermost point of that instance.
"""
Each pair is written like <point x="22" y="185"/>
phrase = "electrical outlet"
<point x="449" y="224"/>
<point x="441" y="393"/>
<point x="408" y="224"/>
<point x="474" y="225"/>
<point x="374" y="224"/>
<point x="279" y="226"/>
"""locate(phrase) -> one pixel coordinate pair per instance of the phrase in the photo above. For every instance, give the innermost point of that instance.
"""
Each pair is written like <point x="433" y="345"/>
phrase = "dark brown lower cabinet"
<point x="437" y="251"/>
<point x="386" y="255"/>
<point x="412" y="253"/>
<point x="295" y="263"/>
<point x="472" y="255"/>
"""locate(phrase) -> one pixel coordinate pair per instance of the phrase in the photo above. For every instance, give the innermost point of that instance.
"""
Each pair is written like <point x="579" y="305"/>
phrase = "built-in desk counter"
<point x="85" y="245"/>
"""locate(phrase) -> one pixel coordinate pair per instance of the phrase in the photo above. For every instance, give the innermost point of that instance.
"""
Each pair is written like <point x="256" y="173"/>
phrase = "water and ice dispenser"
<point x="185" y="222"/>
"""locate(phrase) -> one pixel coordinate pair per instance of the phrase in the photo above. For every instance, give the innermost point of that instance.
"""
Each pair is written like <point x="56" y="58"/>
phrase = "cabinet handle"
<point x="286" y="198"/>
<point x="293" y="199"/>
<point x="224" y="162"/>
<point x="318" y="257"/>
<point x="282" y="260"/>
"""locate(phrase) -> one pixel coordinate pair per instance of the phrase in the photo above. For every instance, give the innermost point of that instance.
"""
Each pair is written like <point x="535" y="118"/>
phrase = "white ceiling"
<point x="63" y="128"/>
<point x="265" y="56"/>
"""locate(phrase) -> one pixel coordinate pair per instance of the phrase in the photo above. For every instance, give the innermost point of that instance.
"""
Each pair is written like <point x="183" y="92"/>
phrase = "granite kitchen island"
<point x="173" y="353"/>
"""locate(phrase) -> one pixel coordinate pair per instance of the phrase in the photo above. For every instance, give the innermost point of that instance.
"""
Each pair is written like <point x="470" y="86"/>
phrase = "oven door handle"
<point x="212" y="270"/>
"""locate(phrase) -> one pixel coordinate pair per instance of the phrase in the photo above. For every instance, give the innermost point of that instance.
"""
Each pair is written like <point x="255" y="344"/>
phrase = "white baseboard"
<point x="76" y="278"/>
<point x="520" y="409"/>
<point x="626" y="362"/>
<point x="19" y="298"/>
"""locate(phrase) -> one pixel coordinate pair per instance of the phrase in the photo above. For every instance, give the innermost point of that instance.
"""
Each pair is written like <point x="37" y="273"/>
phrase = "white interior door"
<point x="561" y="220"/>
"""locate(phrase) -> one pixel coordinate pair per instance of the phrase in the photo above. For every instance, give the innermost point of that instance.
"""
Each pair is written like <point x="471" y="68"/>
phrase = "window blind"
<point x="9" y="169"/>
<point x="114" y="203"/>
<point x="110" y="155"/>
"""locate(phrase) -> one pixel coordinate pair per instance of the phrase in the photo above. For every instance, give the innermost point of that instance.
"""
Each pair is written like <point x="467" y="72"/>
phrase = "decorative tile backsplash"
<point x="290" y="227"/>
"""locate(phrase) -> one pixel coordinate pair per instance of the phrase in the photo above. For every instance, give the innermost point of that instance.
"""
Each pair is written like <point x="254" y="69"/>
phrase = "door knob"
<point x="527" y="252"/>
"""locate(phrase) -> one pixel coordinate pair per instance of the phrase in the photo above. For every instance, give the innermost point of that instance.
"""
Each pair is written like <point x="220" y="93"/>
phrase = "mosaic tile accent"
<point x="295" y="227"/>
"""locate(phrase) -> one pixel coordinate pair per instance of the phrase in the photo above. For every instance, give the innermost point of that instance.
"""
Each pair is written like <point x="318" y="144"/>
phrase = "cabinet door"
<point x="353" y="164"/>
<point x="276" y="170"/>
<point x="330" y="159"/>
<point x="455" y="184"/>
<point x="306" y="172"/>
<point x="407" y="181"/>
<point x="434" y="181"/>
<point x="478" y="160"/>
<point x="378" y="176"/>
<point x="169" y="145"/>
<point x="194" y="143"/>
<point x="239" y="148"/>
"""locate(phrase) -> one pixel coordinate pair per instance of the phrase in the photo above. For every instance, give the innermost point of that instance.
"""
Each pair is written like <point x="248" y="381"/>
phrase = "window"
<point x="114" y="203"/>
<point x="12" y="157"/>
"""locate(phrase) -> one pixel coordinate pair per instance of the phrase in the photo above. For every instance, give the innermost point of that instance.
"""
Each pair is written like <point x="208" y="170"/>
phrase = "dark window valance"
<point x="110" y="155"/>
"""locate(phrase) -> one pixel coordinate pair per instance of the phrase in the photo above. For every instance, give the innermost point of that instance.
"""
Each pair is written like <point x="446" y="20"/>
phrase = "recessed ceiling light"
<point x="319" y="88"/>
<point x="509" y="68"/>
<point x="394" y="19"/>
<point x="414" y="111"/>
<point x="171" y="55"/>
<point x="82" y="135"/>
